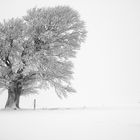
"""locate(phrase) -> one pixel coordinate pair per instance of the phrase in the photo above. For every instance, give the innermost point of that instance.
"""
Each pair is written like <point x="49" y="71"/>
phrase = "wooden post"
<point x="34" y="104"/>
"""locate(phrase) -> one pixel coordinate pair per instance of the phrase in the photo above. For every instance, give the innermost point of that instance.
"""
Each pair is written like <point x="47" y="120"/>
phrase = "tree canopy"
<point x="35" y="50"/>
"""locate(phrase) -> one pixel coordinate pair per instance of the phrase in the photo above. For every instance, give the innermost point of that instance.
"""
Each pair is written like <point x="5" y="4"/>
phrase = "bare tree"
<point x="35" y="51"/>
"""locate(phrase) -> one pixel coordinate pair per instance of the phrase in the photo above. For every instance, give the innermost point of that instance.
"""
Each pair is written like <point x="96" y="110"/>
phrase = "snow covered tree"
<point x="35" y="51"/>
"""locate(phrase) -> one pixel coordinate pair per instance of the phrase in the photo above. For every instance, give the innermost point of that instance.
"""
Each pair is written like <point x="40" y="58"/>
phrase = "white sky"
<point x="107" y="68"/>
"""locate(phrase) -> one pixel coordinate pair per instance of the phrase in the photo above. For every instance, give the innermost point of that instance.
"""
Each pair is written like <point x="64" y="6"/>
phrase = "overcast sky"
<point x="107" y="68"/>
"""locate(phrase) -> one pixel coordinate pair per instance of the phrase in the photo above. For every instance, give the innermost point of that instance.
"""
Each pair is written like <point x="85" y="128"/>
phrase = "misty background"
<point x="107" y="68"/>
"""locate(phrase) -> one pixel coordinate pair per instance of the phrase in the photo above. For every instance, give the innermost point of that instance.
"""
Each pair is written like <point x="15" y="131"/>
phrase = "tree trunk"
<point x="13" y="97"/>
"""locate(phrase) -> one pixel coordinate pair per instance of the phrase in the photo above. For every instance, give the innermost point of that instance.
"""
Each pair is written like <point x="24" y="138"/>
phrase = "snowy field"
<point x="71" y="124"/>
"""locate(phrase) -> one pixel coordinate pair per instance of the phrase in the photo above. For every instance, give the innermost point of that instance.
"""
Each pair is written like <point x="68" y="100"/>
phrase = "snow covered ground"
<point x="71" y="124"/>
